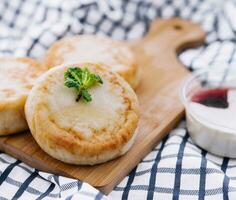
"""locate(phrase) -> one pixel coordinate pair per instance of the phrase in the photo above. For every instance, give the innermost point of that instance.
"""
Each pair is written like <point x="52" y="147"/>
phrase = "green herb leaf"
<point x="86" y="95"/>
<point x="71" y="83"/>
<point x="81" y="79"/>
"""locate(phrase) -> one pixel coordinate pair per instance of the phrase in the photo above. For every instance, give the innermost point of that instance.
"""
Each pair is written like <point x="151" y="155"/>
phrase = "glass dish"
<point x="210" y="127"/>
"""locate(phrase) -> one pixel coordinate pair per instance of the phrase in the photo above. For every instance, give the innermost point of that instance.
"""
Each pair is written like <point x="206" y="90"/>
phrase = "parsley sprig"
<point x="81" y="79"/>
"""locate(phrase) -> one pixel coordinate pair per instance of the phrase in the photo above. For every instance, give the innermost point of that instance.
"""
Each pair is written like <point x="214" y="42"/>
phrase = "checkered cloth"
<point x="176" y="168"/>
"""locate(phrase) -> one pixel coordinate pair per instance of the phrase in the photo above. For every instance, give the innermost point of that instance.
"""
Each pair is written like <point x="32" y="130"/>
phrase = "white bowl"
<point x="212" y="129"/>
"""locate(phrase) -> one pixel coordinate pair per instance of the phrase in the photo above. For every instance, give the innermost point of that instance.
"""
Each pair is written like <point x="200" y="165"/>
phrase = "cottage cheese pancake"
<point x="17" y="75"/>
<point x="81" y="132"/>
<point x="115" y="54"/>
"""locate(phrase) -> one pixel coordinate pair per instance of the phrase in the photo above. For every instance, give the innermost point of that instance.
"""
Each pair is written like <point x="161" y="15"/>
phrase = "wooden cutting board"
<point x="161" y="109"/>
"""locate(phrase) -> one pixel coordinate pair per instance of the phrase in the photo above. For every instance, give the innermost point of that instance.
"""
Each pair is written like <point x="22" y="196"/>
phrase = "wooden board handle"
<point x="174" y="35"/>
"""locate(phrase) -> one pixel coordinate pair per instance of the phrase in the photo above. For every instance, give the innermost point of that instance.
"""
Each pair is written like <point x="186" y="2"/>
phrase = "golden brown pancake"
<point x="17" y="75"/>
<point x="85" y="133"/>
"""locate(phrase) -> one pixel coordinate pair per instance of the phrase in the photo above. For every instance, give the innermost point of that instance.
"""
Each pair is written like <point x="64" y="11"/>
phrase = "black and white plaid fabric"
<point x="176" y="168"/>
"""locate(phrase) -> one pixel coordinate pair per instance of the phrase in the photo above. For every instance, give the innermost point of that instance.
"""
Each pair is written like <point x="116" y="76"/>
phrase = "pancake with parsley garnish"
<point x="82" y="114"/>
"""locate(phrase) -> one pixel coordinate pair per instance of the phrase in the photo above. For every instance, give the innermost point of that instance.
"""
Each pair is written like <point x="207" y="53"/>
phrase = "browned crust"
<point x="47" y="132"/>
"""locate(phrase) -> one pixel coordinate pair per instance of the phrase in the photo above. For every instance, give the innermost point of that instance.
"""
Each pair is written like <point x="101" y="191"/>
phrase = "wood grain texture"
<point x="161" y="109"/>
